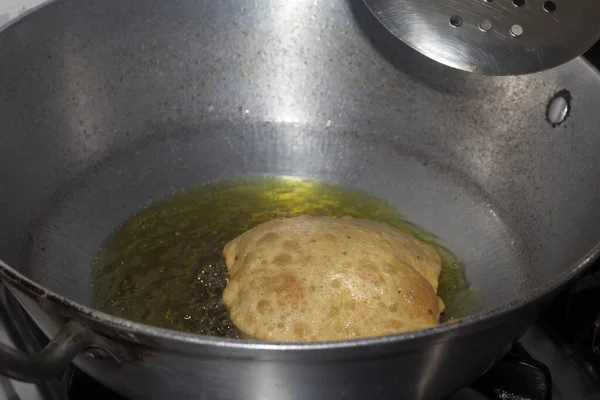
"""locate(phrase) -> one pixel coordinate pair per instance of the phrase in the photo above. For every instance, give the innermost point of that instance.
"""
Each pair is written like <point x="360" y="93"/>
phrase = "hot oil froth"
<point x="164" y="265"/>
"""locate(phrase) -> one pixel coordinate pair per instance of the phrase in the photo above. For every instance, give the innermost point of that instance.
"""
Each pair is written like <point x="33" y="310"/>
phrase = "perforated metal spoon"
<point x="495" y="37"/>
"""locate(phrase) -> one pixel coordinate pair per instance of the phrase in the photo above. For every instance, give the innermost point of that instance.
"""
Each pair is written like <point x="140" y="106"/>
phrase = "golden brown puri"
<point x="322" y="278"/>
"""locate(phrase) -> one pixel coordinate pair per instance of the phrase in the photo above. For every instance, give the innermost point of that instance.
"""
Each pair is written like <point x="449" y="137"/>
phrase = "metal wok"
<point x="105" y="105"/>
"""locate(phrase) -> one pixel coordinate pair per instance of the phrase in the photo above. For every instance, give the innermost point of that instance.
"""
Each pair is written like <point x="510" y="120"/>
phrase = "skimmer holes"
<point x="485" y="25"/>
<point x="456" y="21"/>
<point x="518" y="3"/>
<point x="516" y="30"/>
<point x="549" y="6"/>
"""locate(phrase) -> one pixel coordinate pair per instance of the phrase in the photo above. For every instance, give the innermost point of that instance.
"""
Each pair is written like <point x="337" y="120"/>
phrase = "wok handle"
<point x="51" y="361"/>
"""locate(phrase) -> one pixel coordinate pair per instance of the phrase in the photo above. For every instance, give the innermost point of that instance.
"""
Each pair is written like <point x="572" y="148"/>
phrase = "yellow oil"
<point x="164" y="265"/>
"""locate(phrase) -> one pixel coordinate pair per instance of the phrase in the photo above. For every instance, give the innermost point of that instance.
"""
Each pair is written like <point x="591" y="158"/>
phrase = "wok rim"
<point x="432" y="334"/>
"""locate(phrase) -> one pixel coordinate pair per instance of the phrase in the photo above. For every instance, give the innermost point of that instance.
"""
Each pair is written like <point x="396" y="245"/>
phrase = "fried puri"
<point x="323" y="278"/>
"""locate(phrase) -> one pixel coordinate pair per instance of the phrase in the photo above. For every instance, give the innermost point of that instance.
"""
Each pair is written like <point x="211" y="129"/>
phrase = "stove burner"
<point x="516" y="376"/>
<point x="573" y="320"/>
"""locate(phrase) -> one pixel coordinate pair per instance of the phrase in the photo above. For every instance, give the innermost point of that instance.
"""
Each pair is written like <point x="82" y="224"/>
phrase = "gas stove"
<point x="557" y="359"/>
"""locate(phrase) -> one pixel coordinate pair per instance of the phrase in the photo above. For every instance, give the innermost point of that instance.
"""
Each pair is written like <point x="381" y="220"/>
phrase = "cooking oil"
<point x="164" y="265"/>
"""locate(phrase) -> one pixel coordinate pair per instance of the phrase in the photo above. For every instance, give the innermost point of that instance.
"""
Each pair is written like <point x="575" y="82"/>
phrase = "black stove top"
<point x="573" y="320"/>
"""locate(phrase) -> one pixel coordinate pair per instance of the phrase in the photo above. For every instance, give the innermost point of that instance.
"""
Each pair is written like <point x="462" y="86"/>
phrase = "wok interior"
<point x="108" y="105"/>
